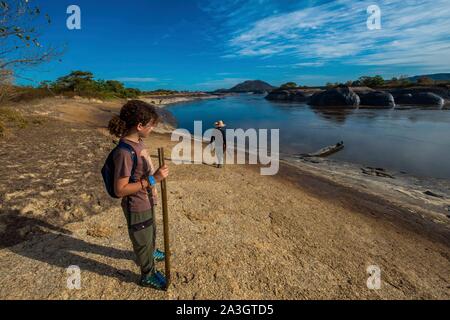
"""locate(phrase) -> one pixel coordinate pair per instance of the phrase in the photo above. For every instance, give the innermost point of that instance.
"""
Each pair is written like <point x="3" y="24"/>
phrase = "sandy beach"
<point x="309" y="232"/>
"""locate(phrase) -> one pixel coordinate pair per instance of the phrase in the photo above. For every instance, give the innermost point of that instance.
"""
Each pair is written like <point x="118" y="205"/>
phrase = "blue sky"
<point x="206" y="45"/>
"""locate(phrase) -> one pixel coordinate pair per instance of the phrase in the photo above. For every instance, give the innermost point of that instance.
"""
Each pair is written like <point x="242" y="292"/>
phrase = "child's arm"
<point x="123" y="188"/>
<point x="124" y="164"/>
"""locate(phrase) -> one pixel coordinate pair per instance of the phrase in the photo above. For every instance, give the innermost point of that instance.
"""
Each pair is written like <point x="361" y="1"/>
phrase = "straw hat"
<point x="220" y="124"/>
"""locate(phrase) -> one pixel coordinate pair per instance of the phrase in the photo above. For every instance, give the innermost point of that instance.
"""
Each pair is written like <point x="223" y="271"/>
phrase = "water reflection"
<point x="414" y="140"/>
<point x="333" y="115"/>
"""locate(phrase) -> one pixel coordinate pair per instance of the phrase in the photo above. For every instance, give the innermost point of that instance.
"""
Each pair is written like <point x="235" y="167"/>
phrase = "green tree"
<point x="289" y="85"/>
<point x="76" y="81"/>
<point x="131" y="93"/>
<point x="82" y="83"/>
<point x="114" y="86"/>
<point x="376" y="81"/>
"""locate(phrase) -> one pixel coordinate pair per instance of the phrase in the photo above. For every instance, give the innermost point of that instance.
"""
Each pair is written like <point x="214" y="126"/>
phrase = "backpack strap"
<point x="130" y="149"/>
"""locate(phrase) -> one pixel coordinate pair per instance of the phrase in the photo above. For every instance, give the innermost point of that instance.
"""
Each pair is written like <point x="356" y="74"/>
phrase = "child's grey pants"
<point x="142" y="232"/>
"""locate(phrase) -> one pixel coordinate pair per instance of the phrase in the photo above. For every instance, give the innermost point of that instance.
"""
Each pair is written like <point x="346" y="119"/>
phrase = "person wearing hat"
<point x="220" y="125"/>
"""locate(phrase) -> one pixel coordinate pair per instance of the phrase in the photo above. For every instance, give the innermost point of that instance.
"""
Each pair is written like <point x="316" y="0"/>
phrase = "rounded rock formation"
<point x="377" y="99"/>
<point x="287" y="95"/>
<point x="421" y="99"/>
<point x="337" y="97"/>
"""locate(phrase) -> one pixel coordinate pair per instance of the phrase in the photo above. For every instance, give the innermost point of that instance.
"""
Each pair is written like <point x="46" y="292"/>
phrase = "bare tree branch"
<point x="19" y="22"/>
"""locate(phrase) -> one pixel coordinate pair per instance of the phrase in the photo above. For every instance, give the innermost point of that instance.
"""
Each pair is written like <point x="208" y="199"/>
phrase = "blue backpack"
<point x="108" y="169"/>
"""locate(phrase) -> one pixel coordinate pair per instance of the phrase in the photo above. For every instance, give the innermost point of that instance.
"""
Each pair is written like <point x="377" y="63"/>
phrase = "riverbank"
<point x="177" y="98"/>
<point x="234" y="233"/>
<point x="94" y="111"/>
<point x="425" y="201"/>
<point x="426" y="197"/>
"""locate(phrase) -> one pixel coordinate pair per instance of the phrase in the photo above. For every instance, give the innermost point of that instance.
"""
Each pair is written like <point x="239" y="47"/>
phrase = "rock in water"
<point x="405" y="98"/>
<point x="300" y="96"/>
<point x="440" y="91"/>
<point x="420" y="96"/>
<point x="342" y="96"/>
<point x="287" y="95"/>
<point x="279" y="95"/>
<point x="428" y="99"/>
<point x="377" y="99"/>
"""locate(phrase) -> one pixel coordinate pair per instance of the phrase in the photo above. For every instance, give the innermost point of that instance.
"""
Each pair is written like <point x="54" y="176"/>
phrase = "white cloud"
<point x="414" y="33"/>
<point x="310" y="64"/>
<point x="295" y="65"/>
<point x="224" y="74"/>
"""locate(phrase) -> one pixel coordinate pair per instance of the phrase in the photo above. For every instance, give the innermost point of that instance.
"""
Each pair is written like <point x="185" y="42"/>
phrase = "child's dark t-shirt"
<point x="123" y="162"/>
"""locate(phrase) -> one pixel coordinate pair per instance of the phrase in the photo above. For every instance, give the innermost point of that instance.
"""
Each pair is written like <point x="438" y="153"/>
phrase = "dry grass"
<point x="12" y="93"/>
<point x="99" y="231"/>
<point x="6" y="93"/>
<point x="6" y="87"/>
<point x="13" y="117"/>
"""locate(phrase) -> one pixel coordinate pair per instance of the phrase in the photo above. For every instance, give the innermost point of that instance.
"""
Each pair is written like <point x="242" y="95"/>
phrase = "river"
<point x="415" y="140"/>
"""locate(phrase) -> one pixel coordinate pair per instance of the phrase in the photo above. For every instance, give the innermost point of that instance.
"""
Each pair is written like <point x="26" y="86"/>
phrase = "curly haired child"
<point x="135" y="183"/>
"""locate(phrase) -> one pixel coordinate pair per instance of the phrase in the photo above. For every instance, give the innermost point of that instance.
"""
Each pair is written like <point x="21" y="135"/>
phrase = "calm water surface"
<point x="416" y="141"/>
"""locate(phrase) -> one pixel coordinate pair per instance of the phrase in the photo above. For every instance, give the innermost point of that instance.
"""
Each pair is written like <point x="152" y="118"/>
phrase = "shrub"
<point x="2" y="129"/>
<point x="425" y="81"/>
<point x="6" y="93"/>
<point x="289" y="85"/>
<point x="13" y="117"/>
<point x="376" y="81"/>
<point x="82" y="83"/>
<point x="6" y="87"/>
<point x="29" y="93"/>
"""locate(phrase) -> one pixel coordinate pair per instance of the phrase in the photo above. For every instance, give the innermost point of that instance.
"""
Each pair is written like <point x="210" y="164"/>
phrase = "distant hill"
<point x="436" y="76"/>
<point x="250" y="86"/>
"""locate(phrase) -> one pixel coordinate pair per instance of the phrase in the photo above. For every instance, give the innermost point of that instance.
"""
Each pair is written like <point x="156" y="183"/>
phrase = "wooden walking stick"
<point x="165" y="219"/>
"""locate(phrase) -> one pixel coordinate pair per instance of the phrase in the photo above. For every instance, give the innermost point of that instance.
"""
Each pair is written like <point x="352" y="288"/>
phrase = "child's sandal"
<point x="156" y="280"/>
<point x="158" y="255"/>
